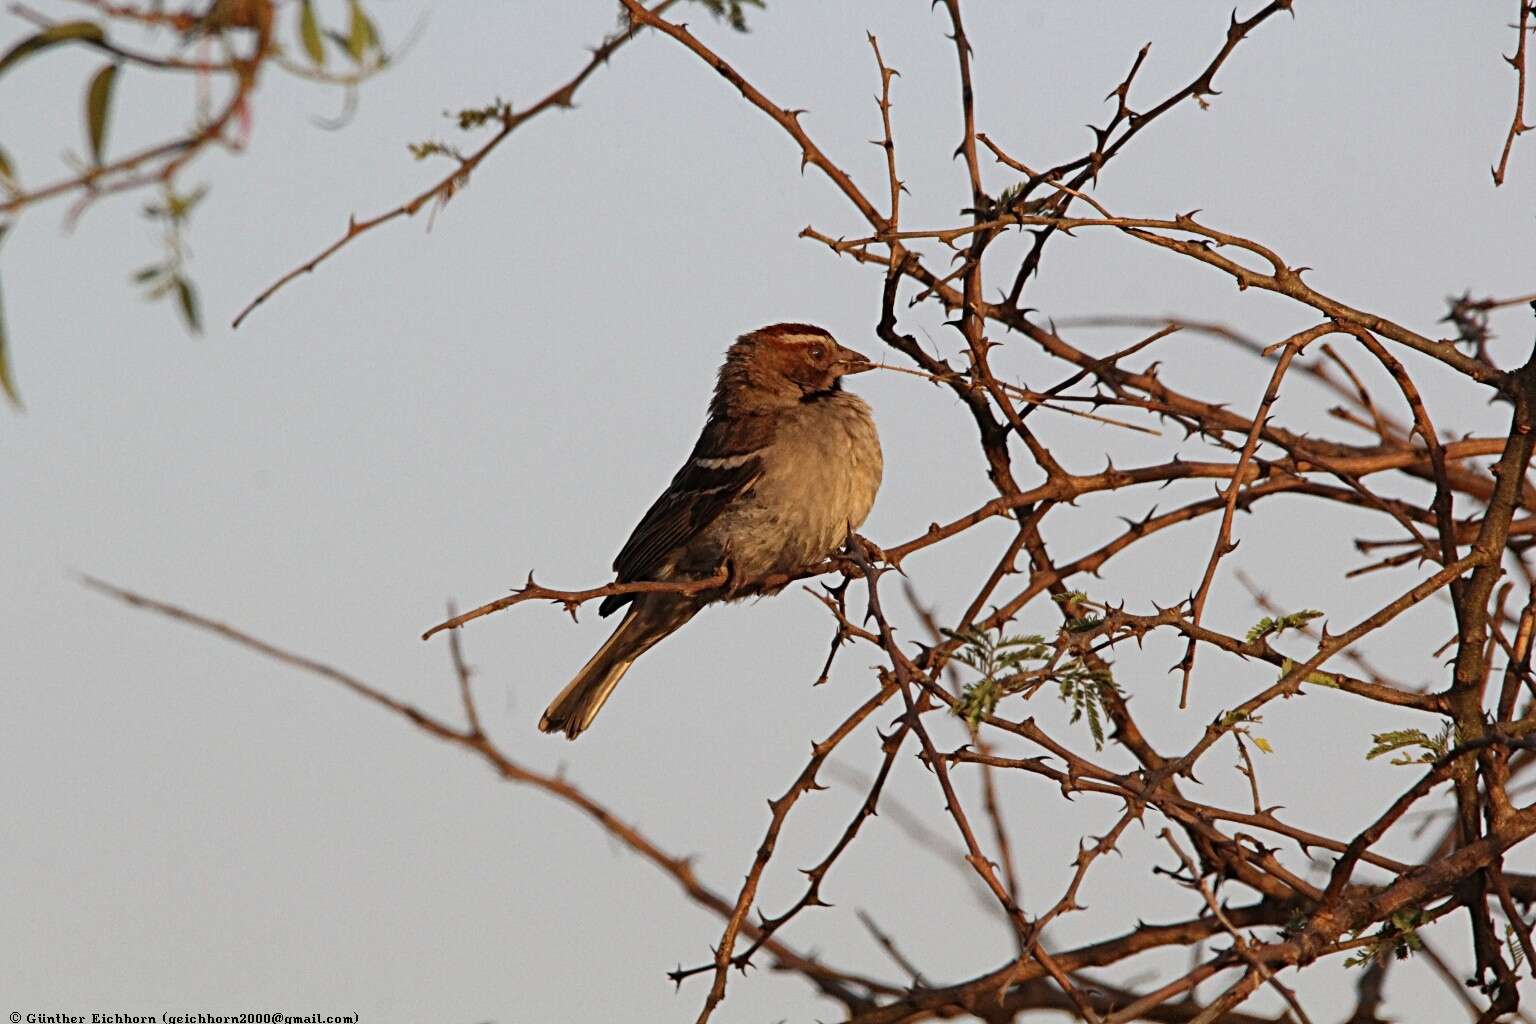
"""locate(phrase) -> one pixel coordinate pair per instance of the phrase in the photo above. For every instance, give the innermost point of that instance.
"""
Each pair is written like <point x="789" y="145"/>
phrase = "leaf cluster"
<point x="1086" y="689"/>
<point x="1432" y="747"/>
<point x="1015" y="664"/>
<point x="474" y="117"/>
<point x="468" y="119"/>
<point x="1273" y="626"/>
<point x="1397" y="937"/>
<point x="991" y="655"/>
<point x="430" y="148"/>
<point x="359" y="40"/>
<point x="168" y="277"/>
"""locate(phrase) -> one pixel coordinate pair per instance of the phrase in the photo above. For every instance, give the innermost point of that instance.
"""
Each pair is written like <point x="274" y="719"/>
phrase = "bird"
<point x="785" y="470"/>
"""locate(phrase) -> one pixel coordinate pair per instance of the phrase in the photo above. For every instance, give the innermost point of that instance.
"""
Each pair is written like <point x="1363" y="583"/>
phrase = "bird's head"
<point x="785" y="363"/>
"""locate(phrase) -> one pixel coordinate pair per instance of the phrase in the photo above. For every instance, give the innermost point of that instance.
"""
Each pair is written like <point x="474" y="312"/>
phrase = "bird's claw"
<point x="871" y="551"/>
<point x="734" y="580"/>
<point x="865" y="553"/>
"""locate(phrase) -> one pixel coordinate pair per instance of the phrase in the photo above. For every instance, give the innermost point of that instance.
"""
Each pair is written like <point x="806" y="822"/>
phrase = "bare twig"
<point x="562" y="97"/>
<point x="1517" y="125"/>
<point x="1224" y="546"/>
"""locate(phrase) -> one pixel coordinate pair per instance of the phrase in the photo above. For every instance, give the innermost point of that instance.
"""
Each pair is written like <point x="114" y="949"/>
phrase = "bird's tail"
<point x="646" y="623"/>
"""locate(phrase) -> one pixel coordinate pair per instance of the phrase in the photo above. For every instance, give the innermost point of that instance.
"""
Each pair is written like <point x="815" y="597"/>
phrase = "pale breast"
<point x="819" y="481"/>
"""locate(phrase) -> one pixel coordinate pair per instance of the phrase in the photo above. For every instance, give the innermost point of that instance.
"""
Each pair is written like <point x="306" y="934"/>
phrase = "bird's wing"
<point x="724" y="465"/>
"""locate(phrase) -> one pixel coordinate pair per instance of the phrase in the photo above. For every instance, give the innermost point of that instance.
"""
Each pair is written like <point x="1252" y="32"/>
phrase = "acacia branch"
<point x="1224" y="545"/>
<point x="573" y="599"/>
<point x="852" y="990"/>
<point x="780" y="808"/>
<point x="1517" y="125"/>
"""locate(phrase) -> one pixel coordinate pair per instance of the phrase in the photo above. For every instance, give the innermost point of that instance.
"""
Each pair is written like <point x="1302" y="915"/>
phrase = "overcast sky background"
<point x="432" y="415"/>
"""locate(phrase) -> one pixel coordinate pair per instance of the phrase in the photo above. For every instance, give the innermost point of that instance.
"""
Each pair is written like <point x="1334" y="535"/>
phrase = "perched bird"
<point x="785" y="470"/>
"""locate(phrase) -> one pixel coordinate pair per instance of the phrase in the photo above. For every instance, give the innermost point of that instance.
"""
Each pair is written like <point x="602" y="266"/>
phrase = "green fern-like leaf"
<point x="1006" y="197"/>
<point x="1396" y="739"/>
<point x="1085" y="690"/>
<point x="1274" y="626"/>
<point x="1022" y="663"/>
<point x="978" y="700"/>
<point x="1398" y="937"/>
<point x="1434" y="747"/>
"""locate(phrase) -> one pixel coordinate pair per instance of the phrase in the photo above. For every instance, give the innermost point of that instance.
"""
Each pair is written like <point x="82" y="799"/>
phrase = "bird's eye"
<point x="818" y="353"/>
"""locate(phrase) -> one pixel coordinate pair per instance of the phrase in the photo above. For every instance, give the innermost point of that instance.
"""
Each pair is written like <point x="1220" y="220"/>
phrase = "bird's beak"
<point x="849" y="361"/>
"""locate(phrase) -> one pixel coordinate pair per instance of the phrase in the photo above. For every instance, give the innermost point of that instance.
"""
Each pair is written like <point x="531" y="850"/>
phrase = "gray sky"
<point x="435" y="414"/>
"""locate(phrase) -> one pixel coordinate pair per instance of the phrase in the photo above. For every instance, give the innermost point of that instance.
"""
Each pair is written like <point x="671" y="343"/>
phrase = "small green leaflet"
<point x="309" y="33"/>
<point x="98" y="108"/>
<point x="7" y="384"/>
<point x="186" y="294"/>
<point x="51" y="36"/>
<point x="1269" y="626"/>
<point x="1400" y="739"/>
<point x="360" y="33"/>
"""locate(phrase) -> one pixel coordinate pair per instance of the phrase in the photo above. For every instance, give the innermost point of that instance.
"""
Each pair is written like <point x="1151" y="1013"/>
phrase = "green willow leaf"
<point x="360" y="34"/>
<point x="53" y="35"/>
<point x="186" y="294"/>
<point x="7" y="382"/>
<point x="372" y="32"/>
<point x="309" y="33"/>
<point x="98" y="108"/>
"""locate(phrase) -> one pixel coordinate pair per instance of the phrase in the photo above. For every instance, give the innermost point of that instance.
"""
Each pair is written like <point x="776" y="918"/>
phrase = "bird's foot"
<point x="734" y="581"/>
<point x="865" y="553"/>
<point x="871" y="551"/>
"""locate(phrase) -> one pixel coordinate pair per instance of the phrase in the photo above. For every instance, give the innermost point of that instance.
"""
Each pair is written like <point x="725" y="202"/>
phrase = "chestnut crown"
<point x="782" y="364"/>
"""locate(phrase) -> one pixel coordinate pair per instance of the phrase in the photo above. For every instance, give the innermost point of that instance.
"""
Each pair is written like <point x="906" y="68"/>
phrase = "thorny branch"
<point x="1516" y="61"/>
<point x="848" y="988"/>
<point x="1224" y="545"/>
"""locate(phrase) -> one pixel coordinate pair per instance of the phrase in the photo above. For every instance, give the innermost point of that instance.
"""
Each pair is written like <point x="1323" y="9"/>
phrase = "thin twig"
<point x="1224" y="545"/>
<point x="1517" y="125"/>
<point x="563" y="97"/>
